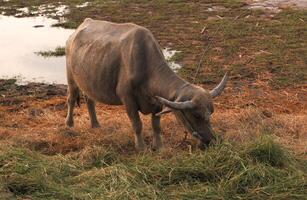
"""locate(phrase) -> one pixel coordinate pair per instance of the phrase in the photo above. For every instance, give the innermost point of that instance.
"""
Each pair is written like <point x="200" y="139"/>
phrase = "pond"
<point x="22" y="38"/>
<point x="19" y="42"/>
<point x="276" y="6"/>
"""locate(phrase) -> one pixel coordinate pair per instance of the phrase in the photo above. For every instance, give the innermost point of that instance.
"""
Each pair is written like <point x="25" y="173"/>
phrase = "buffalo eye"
<point x="211" y="109"/>
<point x="197" y="116"/>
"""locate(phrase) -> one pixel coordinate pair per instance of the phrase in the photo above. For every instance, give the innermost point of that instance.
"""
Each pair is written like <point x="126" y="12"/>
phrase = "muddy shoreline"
<point x="9" y="89"/>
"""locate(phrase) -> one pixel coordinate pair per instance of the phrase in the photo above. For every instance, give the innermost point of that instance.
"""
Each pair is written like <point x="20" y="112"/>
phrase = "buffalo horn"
<point x="176" y="105"/>
<point x="219" y="89"/>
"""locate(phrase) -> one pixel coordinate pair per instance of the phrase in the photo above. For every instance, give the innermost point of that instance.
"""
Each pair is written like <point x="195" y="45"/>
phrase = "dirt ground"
<point x="33" y="116"/>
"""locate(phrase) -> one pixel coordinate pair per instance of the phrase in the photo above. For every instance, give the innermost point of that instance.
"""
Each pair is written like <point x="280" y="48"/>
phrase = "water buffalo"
<point x="123" y="64"/>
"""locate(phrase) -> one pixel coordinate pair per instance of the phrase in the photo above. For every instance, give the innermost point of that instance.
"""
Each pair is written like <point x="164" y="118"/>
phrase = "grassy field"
<point x="252" y="44"/>
<point x="259" y="170"/>
<point x="260" y="118"/>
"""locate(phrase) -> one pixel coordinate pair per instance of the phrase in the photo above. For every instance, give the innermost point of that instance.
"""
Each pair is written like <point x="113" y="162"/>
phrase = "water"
<point x="276" y="6"/>
<point x="85" y="4"/>
<point x="19" y="41"/>
<point x="46" y="10"/>
<point x="169" y="54"/>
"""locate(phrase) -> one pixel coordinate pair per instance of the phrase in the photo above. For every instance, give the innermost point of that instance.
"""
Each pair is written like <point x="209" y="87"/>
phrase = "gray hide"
<point x="123" y="64"/>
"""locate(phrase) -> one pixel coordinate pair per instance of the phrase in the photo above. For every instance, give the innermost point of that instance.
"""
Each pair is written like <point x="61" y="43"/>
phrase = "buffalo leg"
<point x="157" y="141"/>
<point x="73" y="95"/>
<point x="137" y="127"/>
<point x="92" y="112"/>
<point x="136" y="122"/>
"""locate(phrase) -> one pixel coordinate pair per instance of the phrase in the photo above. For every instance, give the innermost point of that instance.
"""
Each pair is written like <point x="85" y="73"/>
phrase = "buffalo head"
<point x="193" y="108"/>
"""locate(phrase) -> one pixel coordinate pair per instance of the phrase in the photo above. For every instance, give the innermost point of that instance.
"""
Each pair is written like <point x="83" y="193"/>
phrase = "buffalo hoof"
<point x="69" y="123"/>
<point x="140" y="146"/>
<point x="157" y="146"/>
<point x="203" y="145"/>
<point x="96" y="125"/>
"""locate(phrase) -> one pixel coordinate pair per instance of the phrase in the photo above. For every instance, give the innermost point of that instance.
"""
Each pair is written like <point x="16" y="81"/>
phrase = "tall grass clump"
<point x="58" y="51"/>
<point x="266" y="151"/>
<point x="258" y="170"/>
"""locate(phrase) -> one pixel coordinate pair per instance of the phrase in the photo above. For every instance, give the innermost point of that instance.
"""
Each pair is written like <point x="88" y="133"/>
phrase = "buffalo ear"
<point x="164" y="111"/>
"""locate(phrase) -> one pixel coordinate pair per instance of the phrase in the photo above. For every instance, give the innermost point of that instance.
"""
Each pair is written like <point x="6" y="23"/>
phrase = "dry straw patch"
<point x="246" y="124"/>
<point x="45" y="130"/>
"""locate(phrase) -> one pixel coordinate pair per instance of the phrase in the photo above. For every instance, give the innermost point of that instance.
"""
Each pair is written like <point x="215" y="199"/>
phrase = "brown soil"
<point x="33" y="116"/>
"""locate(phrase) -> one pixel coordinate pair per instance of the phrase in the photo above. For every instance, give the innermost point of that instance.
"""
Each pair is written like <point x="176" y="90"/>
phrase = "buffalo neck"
<point x="166" y="83"/>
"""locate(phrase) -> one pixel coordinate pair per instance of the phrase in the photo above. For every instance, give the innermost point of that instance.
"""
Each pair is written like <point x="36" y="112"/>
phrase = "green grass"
<point x="11" y="81"/>
<point x="258" y="170"/>
<point x="274" y="46"/>
<point x="59" y="51"/>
